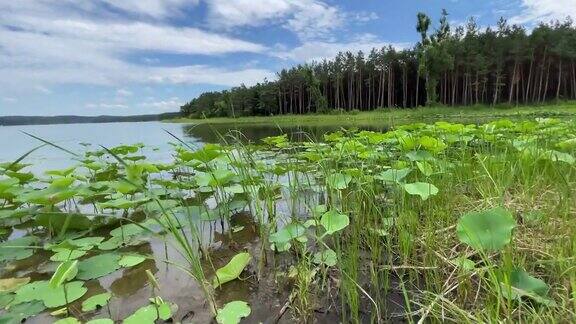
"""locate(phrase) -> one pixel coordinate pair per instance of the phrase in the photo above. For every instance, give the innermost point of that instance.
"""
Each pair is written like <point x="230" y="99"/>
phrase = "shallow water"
<point x="15" y="143"/>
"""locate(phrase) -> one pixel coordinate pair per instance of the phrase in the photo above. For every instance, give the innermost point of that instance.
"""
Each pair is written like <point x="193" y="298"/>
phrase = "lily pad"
<point x="393" y="175"/>
<point x="62" y="255"/>
<point x="327" y="257"/>
<point x="68" y="320"/>
<point x="486" y="230"/>
<point x="98" y="266"/>
<point x="233" y="312"/>
<point x="100" y="321"/>
<point x="283" y="236"/>
<point x="422" y="189"/>
<point x="131" y="260"/>
<point x="144" y="315"/>
<point x="95" y="301"/>
<point x="51" y="297"/>
<point x="334" y="221"/>
<point x="338" y="181"/>
<point x="520" y="283"/>
<point x="17" y="249"/>
<point x="231" y="270"/>
<point x="19" y="313"/>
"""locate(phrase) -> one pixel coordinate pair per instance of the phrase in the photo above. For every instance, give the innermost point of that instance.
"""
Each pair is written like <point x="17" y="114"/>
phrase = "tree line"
<point x="459" y="66"/>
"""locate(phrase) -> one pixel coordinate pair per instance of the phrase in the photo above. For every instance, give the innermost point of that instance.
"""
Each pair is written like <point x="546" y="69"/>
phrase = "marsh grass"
<point x="370" y="221"/>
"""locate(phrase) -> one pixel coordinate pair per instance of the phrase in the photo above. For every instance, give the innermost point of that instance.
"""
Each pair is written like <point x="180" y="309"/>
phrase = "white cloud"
<point x="307" y="18"/>
<point x="318" y="50"/>
<point x="43" y="89"/>
<point x="534" y="11"/>
<point x="9" y="100"/>
<point x="123" y="93"/>
<point x="103" y="105"/>
<point x="171" y="104"/>
<point x="39" y="45"/>
<point x="152" y="8"/>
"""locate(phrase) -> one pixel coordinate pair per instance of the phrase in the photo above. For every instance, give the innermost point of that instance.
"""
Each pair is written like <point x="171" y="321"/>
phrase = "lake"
<point x="154" y="135"/>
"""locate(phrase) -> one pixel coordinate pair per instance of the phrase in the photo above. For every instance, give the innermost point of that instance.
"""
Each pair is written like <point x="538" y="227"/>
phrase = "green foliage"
<point x="98" y="266"/>
<point x="95" y="301"/>
<point x="232" y="269"/>
<point x="334" y="221"/>
<point x="519" y="283"/>
<point x="422" y="189"/>
<point x="233" y="312"/>
<point x="489" y="230"/>
<point x="51" y="297"/>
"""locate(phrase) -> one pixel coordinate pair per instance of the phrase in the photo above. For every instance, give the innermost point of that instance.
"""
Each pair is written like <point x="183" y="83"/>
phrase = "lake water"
<point x="14" y="142"/>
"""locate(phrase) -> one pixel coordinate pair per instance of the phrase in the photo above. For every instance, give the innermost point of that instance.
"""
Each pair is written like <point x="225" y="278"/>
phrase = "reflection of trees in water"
<point x="134" y="278"/>
<point x="213" y="133"/>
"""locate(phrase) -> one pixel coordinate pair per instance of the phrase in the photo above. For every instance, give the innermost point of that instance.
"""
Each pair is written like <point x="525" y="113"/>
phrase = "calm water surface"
<point x="14" y="143"/>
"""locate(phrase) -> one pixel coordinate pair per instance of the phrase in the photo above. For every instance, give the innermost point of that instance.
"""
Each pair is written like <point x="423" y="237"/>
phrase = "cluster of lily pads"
<point x="424" y="204"/>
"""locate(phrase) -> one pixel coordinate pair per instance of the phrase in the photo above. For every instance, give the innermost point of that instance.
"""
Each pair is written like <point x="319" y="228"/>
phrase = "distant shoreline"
<point x="70" y="119"/>
<point x="391" y="116"/>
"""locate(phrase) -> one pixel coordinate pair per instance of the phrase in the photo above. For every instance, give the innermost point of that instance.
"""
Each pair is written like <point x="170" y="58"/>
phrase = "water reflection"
<point x="254" y="133"/>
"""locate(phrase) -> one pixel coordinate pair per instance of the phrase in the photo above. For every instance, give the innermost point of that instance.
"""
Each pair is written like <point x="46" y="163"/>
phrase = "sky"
<point x="127" y="57"/>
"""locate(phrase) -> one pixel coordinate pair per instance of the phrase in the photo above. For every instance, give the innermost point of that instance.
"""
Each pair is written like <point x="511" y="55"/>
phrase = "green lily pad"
<point x="334" y="221"/>
<point x="51" y="297"/>
<point x="233" y="312"/>
<point x="144" y="315"/>
<point x="131" y="260"/>
<point x="16" y="249"/>
<point x="62" y="255"/>
<point x="327" y="257"/>
<point x="422" y="189"/>
<point x="486" y="230"/>
<point x="520" y="283"/>
<point x="68" y="320"/>
<point x="96" y="301"/>
<point x="231" y="270"/>
<point x="393" y="175"/>
<point x="100" y="321"/>
<point x="98" y="266"/>
<point x="338" y="181"/>
<point x="19" y="313"/>
<point x="286" y="234"/>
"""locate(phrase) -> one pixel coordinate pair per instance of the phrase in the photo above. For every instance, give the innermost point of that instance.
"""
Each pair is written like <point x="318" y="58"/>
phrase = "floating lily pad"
<point x="16" y="249"/>
<point x="95" y="301"/>
<point x="62" y="255"/>
<point x="131" y="260"/>
<point x="144" y="315"/>
<point x="100" y="321"/>
<point x="51" y="297"/>
<point x="68" y="320"/>
<point x="19" y="313"/>
<point x="98" y="266"/>
<point x="233" y="312"/>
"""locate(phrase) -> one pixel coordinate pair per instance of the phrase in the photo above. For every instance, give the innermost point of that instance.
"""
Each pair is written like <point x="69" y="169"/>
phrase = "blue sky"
<point x="124" y="57"/>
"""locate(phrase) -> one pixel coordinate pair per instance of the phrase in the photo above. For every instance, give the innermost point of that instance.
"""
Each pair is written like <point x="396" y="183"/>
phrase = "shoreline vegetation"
<point x="467" y="65"/>
<point x="439" y="222"/>
<point x="391" y="116"/>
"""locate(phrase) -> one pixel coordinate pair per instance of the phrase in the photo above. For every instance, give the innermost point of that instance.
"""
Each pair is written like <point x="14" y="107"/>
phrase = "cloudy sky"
<point x="123" y="57"/>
